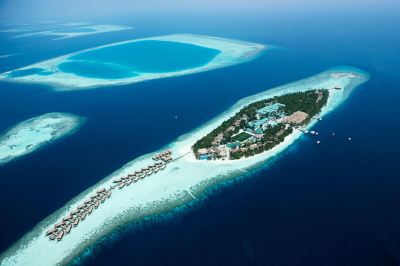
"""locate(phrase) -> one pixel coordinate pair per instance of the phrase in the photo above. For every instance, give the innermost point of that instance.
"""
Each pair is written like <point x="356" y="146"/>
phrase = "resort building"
<point x="270" y="109"/>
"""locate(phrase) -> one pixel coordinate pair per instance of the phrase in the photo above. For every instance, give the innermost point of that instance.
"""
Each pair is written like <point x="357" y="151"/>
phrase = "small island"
<point x="33" y="133"/>
<point x="260" y="126"/>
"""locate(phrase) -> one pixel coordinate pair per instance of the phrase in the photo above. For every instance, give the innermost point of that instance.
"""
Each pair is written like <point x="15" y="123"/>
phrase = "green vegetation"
<point x="241" y="137"/>
<point x="310" y="102"/>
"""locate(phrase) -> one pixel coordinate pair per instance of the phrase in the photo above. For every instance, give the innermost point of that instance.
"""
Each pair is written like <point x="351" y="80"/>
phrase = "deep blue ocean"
<point x="333" y="204"/>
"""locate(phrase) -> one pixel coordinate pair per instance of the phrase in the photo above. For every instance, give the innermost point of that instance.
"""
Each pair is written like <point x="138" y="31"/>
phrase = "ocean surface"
<point x="333" y="204"/>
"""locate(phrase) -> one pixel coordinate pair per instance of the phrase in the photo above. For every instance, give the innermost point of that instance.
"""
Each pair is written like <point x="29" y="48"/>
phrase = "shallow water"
<point x="151" y="56"/>
<point x="95" y="70"/>
<point x="335" y="204"/>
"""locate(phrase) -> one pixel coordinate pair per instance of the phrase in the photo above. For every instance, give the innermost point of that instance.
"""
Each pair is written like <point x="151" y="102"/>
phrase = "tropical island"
<point x="260" y="126"/>
<point x="161" y="181"/>
<point x="31" y="134"/>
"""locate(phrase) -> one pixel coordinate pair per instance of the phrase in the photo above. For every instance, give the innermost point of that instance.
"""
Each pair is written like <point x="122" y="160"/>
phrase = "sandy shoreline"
<point x="30" y="135"/>
<point x="231" y="52"/>
<point x="170" y="188"/>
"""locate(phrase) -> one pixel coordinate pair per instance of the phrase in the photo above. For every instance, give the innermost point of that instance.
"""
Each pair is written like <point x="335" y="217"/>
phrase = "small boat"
<point x="333" y="134"/>
<point x="349" y="139"/>
<point x="109" y="194"/>
<point x="318" y="142"/>
<point x="129" y="182"/>
<point x="121" y="185"/>
<point x="52" y="237"/>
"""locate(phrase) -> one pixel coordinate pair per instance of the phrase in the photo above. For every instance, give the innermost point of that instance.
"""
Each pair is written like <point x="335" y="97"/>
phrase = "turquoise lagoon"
<point x="136" y="60"/>
<point x="130" y="59"/>
<point x="75" y="30"/>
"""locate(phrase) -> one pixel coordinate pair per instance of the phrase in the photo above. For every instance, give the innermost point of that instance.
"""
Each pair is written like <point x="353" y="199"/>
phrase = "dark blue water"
<point x="333" y="204"/>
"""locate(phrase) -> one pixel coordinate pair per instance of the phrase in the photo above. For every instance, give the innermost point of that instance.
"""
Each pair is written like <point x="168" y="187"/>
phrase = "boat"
<point x="129" y="182"/>
<point x="108" y="193"/>
<point x="121" y="185"/>
<point x="52" y="237"/>
<point x="318" y="142"/>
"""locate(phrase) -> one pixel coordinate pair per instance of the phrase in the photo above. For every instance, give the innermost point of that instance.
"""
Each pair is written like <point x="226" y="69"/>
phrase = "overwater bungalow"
<point x="101" y="190"/>
<point x="68" y="229"/>
<point x="76" y="221"/>
<point x="58" y="224"/>
<point x="60" y="235"/>
<point x="51" y="231"/>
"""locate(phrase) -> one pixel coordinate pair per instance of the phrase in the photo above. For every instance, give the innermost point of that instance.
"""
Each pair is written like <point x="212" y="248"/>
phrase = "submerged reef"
<point x="135" y="61"/>
<point x="36" y="132"/>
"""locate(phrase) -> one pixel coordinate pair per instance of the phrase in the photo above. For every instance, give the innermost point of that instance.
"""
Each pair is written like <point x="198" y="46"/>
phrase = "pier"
<point x="64" y="227"/>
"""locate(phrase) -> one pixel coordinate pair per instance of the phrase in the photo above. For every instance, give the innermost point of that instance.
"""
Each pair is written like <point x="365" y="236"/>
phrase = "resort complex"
<point x="64" y="227"/>
<point x="260" y="126"/>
